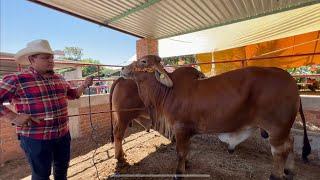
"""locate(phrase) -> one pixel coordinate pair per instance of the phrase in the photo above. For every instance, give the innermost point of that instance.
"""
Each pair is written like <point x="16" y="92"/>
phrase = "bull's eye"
<point x="143" y="62"/>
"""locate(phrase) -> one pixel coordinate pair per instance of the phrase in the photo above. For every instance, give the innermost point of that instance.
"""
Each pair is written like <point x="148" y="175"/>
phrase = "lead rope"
<point x="93" y="130"/>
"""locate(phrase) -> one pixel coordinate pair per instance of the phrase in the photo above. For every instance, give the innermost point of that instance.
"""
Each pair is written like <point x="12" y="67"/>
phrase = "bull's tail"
<point x="306" y="149"/>
<point x="110" y="104"/>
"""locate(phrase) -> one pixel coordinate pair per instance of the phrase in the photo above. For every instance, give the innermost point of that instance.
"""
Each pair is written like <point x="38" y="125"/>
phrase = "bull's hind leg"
<point x="281" y="149"/>
<point x="289" y="166"/>
<point x="182" y="146"/>
<point x="119" y="130"/>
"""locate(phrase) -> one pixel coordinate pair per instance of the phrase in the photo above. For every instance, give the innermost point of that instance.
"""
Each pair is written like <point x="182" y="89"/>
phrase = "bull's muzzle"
<point x="126" y="72"/>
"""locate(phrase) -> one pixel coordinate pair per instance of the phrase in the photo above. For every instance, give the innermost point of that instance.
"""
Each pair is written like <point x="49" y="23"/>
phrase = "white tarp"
<point x="271" y="27"/>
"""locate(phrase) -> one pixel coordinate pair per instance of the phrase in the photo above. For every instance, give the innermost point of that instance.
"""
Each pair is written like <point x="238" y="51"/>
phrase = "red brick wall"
<point x="101" y="122"/>
<point x="146" y="47"/>
<point x="9" y="145"/>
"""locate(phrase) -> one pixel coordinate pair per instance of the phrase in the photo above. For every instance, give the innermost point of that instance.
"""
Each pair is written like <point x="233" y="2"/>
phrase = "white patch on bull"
<point x="281" y="148"/>
<point x="290" y="162"/>
<point x="235" y="138"/>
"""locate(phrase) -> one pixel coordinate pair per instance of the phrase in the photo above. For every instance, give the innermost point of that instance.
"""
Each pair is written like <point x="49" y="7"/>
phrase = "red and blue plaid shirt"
<point x="42" y="98"/>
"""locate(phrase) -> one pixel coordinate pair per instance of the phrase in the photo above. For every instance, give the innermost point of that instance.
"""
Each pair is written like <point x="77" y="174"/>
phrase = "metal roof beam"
<point x="132" y="10"/>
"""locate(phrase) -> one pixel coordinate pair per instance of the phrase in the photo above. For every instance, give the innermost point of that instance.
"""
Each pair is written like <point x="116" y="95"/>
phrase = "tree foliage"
<point x="73" y="53"/>
<point x="93" y="70"/>
<point x="313" y="69"/>
<point x="76" y="53"/>
<point x="90" y="70"/>
<point x="188" y="59"/>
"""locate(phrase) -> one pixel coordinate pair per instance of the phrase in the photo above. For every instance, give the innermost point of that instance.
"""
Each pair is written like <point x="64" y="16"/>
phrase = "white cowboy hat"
<point x="34" y="47"/>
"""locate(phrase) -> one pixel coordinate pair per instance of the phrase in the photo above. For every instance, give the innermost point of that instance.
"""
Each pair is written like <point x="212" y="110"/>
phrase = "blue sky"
<point x="23" y="21"/>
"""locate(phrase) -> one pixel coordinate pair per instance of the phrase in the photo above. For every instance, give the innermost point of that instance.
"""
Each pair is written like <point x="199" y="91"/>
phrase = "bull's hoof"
<point x="178" y="176"/>
<point x="173" y="139"/>
<point x="305" y="159"/>
<point x="122" y="159"/>
<point x="230" y="151"/>
<point x="187" y="164"/>
<point x="289" y="174"/>
<point x="273" y="177"/>
<point x="288" y="177"/>
<point x="122" y="163"/>
<point x="148" y="130"/>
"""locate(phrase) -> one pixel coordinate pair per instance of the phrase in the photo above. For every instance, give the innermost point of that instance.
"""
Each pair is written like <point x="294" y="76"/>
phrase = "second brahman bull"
<point x="125" y="101"/>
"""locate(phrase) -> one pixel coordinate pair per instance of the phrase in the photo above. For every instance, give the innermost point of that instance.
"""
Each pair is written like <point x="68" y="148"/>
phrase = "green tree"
<point x="92" y="69"/>
<point x="188" y="59"/>
<point x="73" y="53"/>
<point x="313" y="69"/>
<point x="108" y="71"/>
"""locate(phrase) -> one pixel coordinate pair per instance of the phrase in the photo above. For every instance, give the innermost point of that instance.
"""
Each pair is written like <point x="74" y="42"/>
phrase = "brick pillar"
<point x="146" y="46"/>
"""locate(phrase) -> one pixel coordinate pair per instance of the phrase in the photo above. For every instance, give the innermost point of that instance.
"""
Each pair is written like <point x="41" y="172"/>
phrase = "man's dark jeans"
<point x="42" y="154"/>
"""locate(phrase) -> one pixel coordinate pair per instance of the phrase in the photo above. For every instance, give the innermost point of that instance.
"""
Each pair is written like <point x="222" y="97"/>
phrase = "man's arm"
<point x="76" y="93"/>
<point x="7" y="114"/>
<point x="81" y="89"/>
<point x="7" y="92"/>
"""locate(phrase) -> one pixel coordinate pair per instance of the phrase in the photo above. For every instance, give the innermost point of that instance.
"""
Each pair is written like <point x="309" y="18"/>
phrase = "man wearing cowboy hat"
<point x="40" y="99"/>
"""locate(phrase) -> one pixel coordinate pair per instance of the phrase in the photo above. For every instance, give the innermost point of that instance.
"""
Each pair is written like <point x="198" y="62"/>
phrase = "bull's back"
<point x="241" y="97"/>
<point x="251" y="82"/>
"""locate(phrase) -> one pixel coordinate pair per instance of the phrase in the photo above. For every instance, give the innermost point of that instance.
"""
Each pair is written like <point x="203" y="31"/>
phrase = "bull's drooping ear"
<point x="162" y="76"/>
<point x="158" y="59"/>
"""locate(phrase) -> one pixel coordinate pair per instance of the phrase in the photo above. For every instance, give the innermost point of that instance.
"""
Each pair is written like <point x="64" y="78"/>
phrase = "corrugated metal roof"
<point x="166" y="18"/>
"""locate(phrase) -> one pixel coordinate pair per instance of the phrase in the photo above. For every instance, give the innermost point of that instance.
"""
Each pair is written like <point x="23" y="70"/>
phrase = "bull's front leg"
<point x="118" y="132"/>
<point x="282" y="165"/>
<point x="182" y="146"/>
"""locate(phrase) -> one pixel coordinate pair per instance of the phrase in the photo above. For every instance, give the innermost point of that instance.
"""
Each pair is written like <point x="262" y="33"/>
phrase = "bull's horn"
<point x="163" y="77"/>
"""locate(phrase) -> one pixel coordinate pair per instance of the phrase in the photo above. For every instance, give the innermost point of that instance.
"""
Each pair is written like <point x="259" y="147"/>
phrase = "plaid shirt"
<point x="42" y="98"/>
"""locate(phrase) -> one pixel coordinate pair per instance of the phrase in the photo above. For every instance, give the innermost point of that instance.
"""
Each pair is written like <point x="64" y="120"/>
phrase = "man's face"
<point x="42" y="62"/>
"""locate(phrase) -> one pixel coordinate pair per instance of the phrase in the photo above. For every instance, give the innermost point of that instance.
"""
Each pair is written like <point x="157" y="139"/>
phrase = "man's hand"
<point x="24" y="119"/>
<point x="87" y="82"/>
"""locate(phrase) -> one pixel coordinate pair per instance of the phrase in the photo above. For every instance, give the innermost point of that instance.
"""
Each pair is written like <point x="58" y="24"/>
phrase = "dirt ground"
<point x="151" y="153"/>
